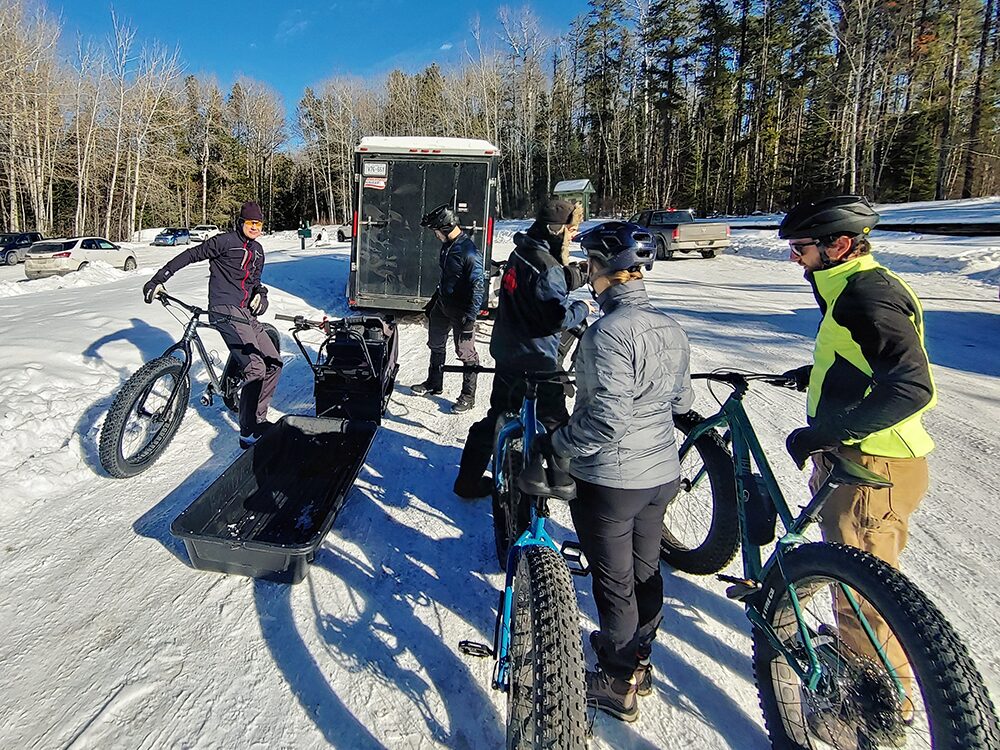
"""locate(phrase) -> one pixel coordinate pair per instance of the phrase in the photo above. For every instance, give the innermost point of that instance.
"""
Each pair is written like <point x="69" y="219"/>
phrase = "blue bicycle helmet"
<point x="619" y="245"/>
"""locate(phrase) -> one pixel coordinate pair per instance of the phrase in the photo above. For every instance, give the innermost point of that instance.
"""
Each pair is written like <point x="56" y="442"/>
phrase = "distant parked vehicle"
<point x="173" y="236"/>
<point x="62" y="256"/>
<point x="203" y="231"/>
<point x="344" y="232"/>
<point x="678" y="232"/>
<point x="14" y="246"/>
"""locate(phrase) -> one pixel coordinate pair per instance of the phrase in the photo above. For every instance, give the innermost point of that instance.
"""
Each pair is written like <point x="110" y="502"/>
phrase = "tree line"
<point x="725" y="106"/>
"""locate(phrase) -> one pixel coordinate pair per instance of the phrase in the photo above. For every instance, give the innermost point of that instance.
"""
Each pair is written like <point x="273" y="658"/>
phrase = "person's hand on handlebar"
<point x="151" y="290"/>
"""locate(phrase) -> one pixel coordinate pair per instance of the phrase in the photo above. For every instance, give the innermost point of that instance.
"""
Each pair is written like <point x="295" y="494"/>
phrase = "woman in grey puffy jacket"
<point x="633" y="375"/>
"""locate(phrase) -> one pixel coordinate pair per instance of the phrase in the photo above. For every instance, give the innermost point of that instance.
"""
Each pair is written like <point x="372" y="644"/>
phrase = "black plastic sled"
<point x="267" y="514"/>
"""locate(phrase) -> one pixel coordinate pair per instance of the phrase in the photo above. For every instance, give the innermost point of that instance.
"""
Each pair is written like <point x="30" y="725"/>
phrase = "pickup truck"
<point x="678" y="232"/>
<point x="14" y="246"/>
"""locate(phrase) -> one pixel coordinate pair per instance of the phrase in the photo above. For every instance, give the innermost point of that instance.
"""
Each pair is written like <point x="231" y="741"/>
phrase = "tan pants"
<point x="877" y="521"/>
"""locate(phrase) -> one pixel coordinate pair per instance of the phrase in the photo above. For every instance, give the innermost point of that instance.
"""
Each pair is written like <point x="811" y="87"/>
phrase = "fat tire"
<point x="231" y="379"/>
<point x="111" y="432"/>
<point x="960" y="713"/>
<point x="723" y="539"/>
<point x="508" y="525"/>
<point x="546" y="644"/>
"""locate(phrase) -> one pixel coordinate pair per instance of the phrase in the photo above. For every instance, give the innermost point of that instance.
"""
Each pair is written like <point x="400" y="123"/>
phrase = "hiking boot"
<point x="427" y="388"/>
<point x="613" y="696"/>
<point x="464" y="404"/>
<point x="473" y="489"/>
<point x="258" y="432"/>
<point x="643" y="675"/>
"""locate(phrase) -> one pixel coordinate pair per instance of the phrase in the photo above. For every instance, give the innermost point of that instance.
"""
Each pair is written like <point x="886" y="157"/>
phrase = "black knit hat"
<point x="251" y="212"/>
<point x="555" y="211"/>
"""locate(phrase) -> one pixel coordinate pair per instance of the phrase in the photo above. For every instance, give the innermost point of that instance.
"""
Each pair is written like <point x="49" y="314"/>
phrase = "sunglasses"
<point x="799" y="248"/>
<point x="254" y="224"/>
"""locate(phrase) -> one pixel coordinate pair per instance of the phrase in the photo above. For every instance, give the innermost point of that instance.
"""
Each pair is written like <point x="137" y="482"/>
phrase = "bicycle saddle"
<point x="845" y="471"/>
<point x="553" y="481"/>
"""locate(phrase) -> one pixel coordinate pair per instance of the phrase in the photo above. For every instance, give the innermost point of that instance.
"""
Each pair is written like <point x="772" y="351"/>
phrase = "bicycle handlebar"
<point x="742" y="379"/>
<point x="167" y="300"/>
<point x="556" y="376"/>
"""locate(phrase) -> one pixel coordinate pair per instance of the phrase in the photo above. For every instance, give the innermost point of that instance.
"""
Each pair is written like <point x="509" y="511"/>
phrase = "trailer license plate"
<point x="376" y="169"/>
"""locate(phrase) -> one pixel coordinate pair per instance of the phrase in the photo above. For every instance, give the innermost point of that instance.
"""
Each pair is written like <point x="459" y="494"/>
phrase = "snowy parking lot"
<point x="109" y="639"/>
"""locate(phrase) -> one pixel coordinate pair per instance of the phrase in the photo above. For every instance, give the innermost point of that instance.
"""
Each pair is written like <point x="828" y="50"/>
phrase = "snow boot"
<point x="613" y="696"/>
<point x="258" y="432"/>
<point x="473" y="489"/>
<point x="643" y="675"/>
<point x="465" y="403"/>
<point x="427" y="388"/>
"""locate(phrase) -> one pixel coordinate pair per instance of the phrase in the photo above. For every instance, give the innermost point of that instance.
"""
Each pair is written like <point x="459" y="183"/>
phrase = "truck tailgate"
<point x="702" y="233"/>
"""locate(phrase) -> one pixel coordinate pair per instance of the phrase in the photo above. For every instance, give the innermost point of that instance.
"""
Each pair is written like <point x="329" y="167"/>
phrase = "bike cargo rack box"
<point x="356" y="369"/>
<point x="268" y="513"/>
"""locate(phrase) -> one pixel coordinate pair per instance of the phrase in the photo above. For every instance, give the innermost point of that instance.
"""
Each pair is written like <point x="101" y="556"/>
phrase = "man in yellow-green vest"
<point x="868" y="387"/>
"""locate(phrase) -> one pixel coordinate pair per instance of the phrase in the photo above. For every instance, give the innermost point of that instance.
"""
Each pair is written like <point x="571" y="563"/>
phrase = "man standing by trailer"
<point x="454" y="306"/>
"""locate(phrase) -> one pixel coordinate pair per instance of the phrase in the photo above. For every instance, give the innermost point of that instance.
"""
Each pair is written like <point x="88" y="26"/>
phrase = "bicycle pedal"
<point x="741" y="587"/>
<point x="574" y="558"/>
<point x="471" y="648"/>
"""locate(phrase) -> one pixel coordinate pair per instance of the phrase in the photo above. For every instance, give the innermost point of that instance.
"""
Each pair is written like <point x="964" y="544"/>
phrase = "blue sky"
<point x="295" y="44"/>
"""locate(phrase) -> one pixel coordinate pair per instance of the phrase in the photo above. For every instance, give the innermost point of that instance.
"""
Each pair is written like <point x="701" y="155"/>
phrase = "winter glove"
<point x="430" y="304"/>
<point x="151" y="290"/>
<point x="258" y="301"/>
<point x="468" y="329"/>
<point x="805" y="441"/>
<point x="799" y="376"/>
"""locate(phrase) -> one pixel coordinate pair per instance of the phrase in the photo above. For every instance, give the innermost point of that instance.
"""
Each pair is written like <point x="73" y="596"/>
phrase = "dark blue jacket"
<point x="463" y="282"/>
<point x="534" y="308"/>
<point x="235" y="264"/>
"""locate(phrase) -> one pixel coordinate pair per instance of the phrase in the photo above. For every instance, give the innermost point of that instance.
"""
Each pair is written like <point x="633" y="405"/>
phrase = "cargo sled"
<point x="268" y="513"/>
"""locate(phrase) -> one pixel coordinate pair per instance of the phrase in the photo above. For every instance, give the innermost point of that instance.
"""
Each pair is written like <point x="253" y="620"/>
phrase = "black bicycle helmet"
<point x="619" y="245"/>
<point x="838" y="215"/>
<point x="441" y="218"/>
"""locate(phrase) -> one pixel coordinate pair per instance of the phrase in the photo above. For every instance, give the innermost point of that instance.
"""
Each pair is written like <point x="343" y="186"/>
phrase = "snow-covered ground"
<point x="969" y="211"/>
<point x="108" y="639"/>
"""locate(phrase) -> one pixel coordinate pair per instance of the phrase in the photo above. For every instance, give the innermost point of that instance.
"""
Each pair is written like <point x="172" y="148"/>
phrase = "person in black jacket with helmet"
<point x="533" y="311"/>
<point x="236" y="261"/>
<point x="454" y="306"/>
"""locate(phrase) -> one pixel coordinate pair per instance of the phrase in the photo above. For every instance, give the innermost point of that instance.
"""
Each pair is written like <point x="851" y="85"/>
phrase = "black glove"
<point x="258" y="301"/>
<point x="151" y="290"/>
<point x="468" y="329"/>
<point x="543" y="444"/>
<point x="800" y="376"/>
<point x="805" y="441"/>
<point x="430" y="304"/>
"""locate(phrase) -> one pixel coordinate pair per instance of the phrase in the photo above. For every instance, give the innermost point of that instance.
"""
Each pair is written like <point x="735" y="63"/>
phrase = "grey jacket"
<point x="632" y="375"/>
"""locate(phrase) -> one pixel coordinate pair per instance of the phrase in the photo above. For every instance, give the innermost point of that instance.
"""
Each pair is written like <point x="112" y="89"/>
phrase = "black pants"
<point x="256" y="358"/>
<point x="506" y="396"/>
<point x="439" y="324"/>
<point x="619" y="532"/>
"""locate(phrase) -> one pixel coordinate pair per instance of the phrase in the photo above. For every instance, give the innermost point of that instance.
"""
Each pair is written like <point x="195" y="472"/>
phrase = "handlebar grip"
<point x="279" y="316"/>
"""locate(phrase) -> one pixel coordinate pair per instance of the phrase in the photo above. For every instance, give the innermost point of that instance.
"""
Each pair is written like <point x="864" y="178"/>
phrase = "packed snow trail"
<point x="109" y="640"/>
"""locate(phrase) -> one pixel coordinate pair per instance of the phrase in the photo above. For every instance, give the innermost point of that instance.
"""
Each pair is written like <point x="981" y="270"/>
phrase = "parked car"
<point x="62" y="256"/>
<point x="14" y="246"/>
<point x="203" y="231"/>
<point x="344" y="232"/>
<point x="678" y="232"/>
<point x="173" y="236"/>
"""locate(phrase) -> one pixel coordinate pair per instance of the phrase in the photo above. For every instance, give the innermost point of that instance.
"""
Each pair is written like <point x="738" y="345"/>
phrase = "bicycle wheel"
<point x="546" y="695"/>
<point x="138" y="427"/>
<point x="511" y="514"/>
<point x="232" y="378"/>
<point x="701" y="528"/>
<point x="856" y="703"/>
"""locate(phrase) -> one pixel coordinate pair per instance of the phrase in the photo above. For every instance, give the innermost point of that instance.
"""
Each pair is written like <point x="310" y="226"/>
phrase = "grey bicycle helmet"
<point x="849" y="215"/>
<point x="619" y="245"/>
<point x="441" y="218"/>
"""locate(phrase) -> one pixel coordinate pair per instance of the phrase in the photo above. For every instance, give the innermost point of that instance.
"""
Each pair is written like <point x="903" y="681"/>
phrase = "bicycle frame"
<point x="746" y="447"/>
<point x="535" y="534"/>
<point x="184" y="345"/>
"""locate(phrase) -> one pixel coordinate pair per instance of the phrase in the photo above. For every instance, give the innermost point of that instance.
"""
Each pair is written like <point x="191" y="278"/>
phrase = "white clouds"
<point x="446" y="46"/>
